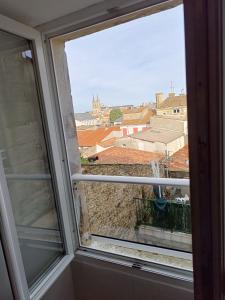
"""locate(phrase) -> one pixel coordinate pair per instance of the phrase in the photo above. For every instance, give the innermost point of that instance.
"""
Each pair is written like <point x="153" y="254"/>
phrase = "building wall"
<point x="159" y="147"/>
<point x="86" y="123"/>
<point x="113" y="134"/>
<point x="111" y="207"/>
<point x="146" y="146"/>
<point x="92" y="279"/>
<point x="170" y="111"/>
<point x="175" y="145"/>
<point x="88" y="151"/>
<point x="130" y="129"/>
<point x="169" y="124"/>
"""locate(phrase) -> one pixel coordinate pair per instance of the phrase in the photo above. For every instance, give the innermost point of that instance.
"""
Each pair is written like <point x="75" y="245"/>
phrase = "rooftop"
<point x="108" y="143"/>
<point x="83" y="116"/>
<point x="117" y="155"/>
<point x="157" y="135"/>
<point x="180" y="160"/>
<point x="174" y="101"/>
<point x="144" y="120"/>
<point x="88" y="138"/>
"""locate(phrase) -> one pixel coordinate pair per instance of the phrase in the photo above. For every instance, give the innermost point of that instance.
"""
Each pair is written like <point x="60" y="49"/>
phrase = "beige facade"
<point x="169" y="123"/>
<point x="174" y="106"/>
<point x="168" y="147"/>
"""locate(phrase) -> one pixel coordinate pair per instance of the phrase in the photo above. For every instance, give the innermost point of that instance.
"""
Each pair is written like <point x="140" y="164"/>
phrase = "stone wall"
<point x="111" y="207"/>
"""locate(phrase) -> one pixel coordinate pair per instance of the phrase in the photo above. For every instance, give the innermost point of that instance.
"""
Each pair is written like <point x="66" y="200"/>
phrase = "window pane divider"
<point x="28" y="176"/>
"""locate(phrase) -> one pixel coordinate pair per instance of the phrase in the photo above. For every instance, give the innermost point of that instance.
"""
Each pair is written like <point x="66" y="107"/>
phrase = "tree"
<point x="83" y="160"/>
<point x="115" y="114"/>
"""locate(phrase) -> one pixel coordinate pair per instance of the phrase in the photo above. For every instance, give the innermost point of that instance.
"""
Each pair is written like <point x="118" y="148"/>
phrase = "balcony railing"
<point x="131" y="179"/>
<point x="172" y="216"/>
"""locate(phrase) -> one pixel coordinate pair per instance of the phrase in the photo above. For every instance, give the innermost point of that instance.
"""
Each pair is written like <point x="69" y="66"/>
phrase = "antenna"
<point x="171" y="87"/>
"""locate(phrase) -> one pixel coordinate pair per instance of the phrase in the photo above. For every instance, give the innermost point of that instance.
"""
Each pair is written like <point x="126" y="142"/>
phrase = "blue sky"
<point x="129" y="63"/>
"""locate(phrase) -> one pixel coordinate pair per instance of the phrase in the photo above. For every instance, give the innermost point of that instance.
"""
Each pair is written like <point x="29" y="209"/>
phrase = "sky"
<point x="129" y="63"/>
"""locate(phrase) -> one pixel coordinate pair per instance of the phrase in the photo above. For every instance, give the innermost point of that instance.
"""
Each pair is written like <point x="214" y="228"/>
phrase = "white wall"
<point x="130" y="128"/>
<point x="175" y="145"/>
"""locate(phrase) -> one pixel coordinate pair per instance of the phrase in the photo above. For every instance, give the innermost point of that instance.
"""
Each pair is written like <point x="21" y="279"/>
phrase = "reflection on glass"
<point x="25" y="160"/>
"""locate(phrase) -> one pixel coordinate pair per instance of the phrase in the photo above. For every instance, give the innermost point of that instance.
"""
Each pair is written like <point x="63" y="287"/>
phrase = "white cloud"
<point x="130" y="62"/>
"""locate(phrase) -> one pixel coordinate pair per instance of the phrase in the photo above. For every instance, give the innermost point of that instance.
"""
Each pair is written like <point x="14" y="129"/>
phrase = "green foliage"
<point x="83" y="160"/>
<point x="115" y="114"/>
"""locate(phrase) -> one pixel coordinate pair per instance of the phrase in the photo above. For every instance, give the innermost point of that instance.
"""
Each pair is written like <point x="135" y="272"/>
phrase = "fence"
<point x="171" y="215"/>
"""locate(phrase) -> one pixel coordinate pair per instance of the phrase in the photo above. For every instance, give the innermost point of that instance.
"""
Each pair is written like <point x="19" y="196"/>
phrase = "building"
<point x="90" y="140"/>
<point x="118" y="155"/>
<point x="167" y="122"/>
<point x="42" y="262"/>
<point x="157" y="140"/>
<point x="179" y="161"/>
<point x="135" y="120"/>
<point x="85" y="119"/>
<point x="174" y="106"/>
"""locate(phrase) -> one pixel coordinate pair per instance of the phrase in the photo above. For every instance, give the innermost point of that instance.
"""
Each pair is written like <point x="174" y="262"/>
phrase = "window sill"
<point x="167" y="271"/>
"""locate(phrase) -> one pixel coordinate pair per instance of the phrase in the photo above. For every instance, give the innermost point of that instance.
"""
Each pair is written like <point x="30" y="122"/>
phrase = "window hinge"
<point x="136" y="266"/>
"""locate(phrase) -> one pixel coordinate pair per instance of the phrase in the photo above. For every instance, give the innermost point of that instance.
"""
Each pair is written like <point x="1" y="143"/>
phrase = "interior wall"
<point x="92" y="279"/>
<point x="63" y="288"/>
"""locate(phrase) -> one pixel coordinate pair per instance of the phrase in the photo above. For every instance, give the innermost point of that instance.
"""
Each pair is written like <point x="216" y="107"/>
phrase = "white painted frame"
<point x="10" y="239"/>
<point x="71" y="32"/>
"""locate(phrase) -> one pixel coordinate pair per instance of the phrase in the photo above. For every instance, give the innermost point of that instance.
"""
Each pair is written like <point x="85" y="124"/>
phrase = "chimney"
<point x="159" y="98"/>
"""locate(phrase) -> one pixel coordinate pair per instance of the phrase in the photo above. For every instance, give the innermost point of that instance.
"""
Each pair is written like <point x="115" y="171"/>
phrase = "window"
<point x="25" y="159"/>
<point x="123" y="215"/>
<point x="31" y="194"/>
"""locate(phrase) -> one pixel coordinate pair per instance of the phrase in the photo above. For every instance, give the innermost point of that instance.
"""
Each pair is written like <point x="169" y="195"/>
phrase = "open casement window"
<point x="35" y="227"/>
<point x="203" y="37"/>
<point x="42" y="189"/>
<point x="123" y="210"/>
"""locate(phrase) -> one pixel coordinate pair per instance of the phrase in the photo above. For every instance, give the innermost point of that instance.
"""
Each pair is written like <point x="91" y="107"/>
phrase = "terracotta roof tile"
<point x="174" y="101"/>
<point x="179" y="161"/>
<point x="117" y="155"/>
<point x="88" y="138"/>
<point x="133" y="110"/>
<point x="108" y="142"/>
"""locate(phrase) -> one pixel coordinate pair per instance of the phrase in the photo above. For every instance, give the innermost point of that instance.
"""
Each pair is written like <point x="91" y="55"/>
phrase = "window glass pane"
<point x="5" y="291"/>
<point x="25" y="159"/>
<point x="128" y="85"/>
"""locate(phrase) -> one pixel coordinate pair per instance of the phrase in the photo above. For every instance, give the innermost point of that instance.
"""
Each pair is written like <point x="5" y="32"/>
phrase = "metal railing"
<point x="131" y="179"/>
<point x="174" y="216"/>
<point x="106" y="178"/>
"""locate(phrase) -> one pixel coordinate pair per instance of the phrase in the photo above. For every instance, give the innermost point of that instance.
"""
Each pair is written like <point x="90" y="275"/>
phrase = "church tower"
<point x="96" y="105"/>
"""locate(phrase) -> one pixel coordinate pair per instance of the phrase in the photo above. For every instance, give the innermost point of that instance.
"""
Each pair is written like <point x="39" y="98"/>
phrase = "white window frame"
<point x="10" y="238"/>
<point x="60" y="36"/>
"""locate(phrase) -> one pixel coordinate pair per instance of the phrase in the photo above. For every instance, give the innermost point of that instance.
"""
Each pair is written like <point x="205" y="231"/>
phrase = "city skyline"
<point x="109" y="64"/>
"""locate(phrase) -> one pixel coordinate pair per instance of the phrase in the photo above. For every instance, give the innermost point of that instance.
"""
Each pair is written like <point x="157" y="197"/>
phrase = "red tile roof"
<point x="108" y="142"/>
<point x="133" y="110"/>
<point x="179" y="161"/>
<point x="88" y="138"/>
<point x="117" y="155"/>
